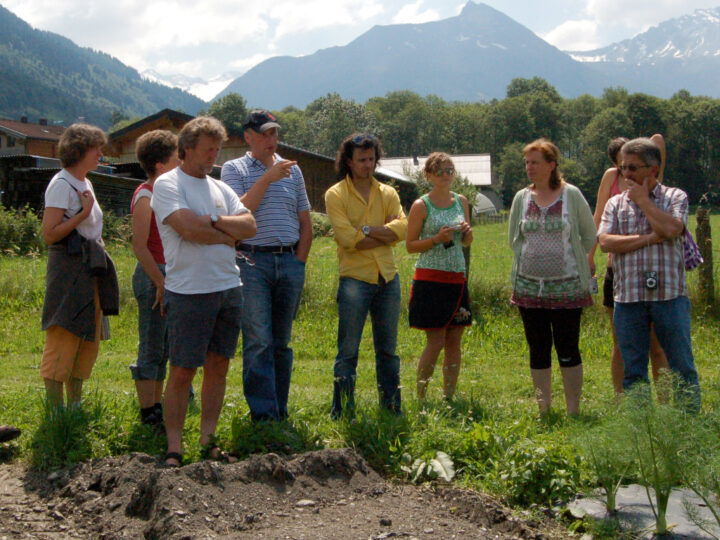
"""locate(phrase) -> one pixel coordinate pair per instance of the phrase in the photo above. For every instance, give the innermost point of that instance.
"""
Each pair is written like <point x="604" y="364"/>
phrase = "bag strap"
<point x="78" y="194"/>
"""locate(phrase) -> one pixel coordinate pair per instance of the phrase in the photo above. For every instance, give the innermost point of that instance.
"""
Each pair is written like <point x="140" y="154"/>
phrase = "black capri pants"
<point x="543" y="327"/>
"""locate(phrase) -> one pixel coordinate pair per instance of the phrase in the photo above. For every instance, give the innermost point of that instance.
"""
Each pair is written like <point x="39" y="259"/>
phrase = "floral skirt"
<point x="438" y="300"/>
<point x="563" y="293"/>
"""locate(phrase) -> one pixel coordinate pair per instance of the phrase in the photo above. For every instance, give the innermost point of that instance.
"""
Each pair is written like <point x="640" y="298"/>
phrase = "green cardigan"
<point x="582" y="233"/>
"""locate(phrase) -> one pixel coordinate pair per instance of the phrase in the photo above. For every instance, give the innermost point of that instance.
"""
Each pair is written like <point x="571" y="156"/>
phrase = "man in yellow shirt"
<point x="367" y="221"/>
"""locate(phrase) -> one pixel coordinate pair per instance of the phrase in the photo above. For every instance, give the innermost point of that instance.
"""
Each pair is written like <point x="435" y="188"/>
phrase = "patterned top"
<point x="277" y="215"/>
<point x="548" y="274"/>
<point x="623" y="216"/>
<point x="439" y="257"/>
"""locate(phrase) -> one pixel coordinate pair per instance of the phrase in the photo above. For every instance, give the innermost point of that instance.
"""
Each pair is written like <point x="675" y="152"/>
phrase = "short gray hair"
<point x="645" y="149"/>
<point x="195" y="128"/>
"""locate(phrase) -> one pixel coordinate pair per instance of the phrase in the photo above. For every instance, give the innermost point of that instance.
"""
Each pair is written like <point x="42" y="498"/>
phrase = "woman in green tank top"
<point x="438" y="228"/>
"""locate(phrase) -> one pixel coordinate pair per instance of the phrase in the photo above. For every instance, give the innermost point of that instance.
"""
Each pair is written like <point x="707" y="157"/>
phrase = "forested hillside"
<point x="46" y="75"/>
<point x="582" y="127"/>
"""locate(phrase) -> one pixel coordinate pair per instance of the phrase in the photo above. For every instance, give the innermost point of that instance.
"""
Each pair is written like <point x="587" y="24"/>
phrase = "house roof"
<point x="477" y="168"/>
<point x="175" y="116"/>
<point x="24" y="130"/>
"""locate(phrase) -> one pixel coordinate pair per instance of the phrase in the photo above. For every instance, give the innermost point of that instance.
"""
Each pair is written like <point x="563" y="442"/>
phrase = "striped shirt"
<point x="622" y="216"/>
<point x="277" y="215"/>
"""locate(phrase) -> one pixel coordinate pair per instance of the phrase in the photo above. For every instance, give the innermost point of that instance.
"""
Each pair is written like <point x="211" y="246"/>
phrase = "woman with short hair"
<point x="157" y="152"/>
<point x="81" y="284"/>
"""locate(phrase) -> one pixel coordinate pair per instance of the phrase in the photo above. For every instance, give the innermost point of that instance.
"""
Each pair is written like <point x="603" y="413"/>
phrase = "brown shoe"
<point x="8" y="433"/>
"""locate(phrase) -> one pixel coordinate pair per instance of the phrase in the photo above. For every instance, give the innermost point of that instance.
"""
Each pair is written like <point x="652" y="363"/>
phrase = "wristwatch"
<point x="214" y="219"/>
<point x="365" y="230"/>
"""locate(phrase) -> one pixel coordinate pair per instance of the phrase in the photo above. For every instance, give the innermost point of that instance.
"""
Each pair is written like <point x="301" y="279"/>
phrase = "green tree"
<point x="295" y="129"/>
<point x="575" y="115"/>
<point x="646" y="114"/>
<point x="231" y="110"/>
<point x="606" y="125"/>
<point x="510" y="170"/>
<point x="536" y="85"/>
<point x="331" y="118"/>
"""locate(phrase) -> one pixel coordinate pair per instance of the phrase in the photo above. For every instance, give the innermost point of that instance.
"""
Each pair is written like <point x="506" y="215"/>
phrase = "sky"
<point x="206" y="38"/>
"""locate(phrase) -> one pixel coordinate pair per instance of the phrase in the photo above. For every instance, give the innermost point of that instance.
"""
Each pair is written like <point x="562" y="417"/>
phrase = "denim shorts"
<point x="202" y="323"/>
<point x="152" y="353"/>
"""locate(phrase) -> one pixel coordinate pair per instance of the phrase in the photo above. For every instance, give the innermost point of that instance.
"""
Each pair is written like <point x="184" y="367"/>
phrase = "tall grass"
<point x="490" y="431"/>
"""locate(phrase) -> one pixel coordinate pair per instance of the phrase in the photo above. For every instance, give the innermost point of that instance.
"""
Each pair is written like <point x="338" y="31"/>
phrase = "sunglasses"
<point x="363" y="139"/>
<point x="632" y="168"/>
<point x="445" y="170"/>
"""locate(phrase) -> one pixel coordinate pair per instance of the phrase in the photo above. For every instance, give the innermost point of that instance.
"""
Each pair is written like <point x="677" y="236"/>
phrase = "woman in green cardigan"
<point x="551" y="231"/>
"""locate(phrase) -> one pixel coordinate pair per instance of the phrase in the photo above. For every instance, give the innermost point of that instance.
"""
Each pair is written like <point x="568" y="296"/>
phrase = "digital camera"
<point x="651" y="280"/>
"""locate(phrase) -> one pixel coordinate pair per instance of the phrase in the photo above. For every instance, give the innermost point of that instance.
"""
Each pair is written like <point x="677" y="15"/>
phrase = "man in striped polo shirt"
<point x="272" y="263"/>
<point x="643" y="228"/>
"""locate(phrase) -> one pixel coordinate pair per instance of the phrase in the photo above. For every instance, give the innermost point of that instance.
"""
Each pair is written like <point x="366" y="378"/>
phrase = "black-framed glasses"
<point x="363" y="139"/>
<point x="632" y="168"/>
<point x="446" y="170"/>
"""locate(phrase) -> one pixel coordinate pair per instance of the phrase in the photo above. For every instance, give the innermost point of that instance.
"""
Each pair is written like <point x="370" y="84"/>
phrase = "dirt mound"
<point x="324" y="494"/>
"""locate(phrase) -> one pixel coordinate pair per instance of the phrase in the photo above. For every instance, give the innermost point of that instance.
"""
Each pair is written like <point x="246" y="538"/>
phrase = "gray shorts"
<point x="202" y="323"/>
<point x="153" y="346"/>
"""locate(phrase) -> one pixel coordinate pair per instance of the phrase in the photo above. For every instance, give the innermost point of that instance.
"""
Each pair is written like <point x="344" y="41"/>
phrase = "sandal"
<point x="212" y="452"/>
<point x="173" y="455"/>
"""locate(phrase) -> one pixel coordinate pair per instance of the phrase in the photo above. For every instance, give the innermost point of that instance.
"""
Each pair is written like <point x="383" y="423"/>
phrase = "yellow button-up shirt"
<point x="348" y="212"/>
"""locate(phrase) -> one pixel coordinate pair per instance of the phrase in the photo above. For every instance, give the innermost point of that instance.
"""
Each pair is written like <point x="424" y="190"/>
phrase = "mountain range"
<point x="474" y="56"/>
<point x="683" y="52"/>
<point x="43" y="74"/>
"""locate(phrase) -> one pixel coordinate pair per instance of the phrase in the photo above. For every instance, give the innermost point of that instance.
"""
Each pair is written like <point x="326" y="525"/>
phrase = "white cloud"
<point x="578" y="35"/>
<point x="243" y="64"/>
<point x="295" y="17"/>
<point x="602" y="22"/>
<point x="410" y="13"/>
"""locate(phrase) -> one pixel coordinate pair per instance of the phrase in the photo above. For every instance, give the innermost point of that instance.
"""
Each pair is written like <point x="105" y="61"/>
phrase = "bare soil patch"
<point x="327" y="494"/>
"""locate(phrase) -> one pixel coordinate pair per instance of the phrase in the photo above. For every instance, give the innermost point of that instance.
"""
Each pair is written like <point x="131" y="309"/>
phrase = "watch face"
<point x="366" y="229"/>
<point x="214" y="218"/>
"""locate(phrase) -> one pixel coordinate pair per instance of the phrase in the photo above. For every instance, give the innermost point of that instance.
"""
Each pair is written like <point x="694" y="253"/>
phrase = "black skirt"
<point x="435" y="305"/>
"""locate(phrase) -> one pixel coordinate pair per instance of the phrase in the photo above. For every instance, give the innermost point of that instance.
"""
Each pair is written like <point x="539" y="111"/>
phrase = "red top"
<point x="154" y="243"/>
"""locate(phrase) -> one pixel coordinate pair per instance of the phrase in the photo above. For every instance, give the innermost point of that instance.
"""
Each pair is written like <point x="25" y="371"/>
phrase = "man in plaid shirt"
<point x="643" y="228"/>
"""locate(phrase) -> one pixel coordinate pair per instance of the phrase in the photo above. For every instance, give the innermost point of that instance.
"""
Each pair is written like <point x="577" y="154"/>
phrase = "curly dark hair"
<point x="153" y="147"/>
<point x="348" y="145"/>
<point x="77" y="140"/>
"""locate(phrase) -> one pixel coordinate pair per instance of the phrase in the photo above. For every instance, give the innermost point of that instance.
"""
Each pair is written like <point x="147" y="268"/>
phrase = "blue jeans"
<point x="671" y="319"/>
<point x="355" y="299"/>
<point x="152" y="354"/>
<point x="272" y="290"/>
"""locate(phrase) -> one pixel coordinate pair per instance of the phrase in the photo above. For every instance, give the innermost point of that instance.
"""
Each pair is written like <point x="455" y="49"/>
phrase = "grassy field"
<point x="493" y="417"/>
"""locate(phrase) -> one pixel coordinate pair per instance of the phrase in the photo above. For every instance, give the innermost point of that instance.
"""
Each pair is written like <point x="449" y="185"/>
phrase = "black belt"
<point x="267" y="249"/>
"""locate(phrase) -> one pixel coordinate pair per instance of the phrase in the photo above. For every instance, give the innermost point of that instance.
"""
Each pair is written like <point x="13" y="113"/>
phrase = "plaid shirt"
<point x="623" y="216"/>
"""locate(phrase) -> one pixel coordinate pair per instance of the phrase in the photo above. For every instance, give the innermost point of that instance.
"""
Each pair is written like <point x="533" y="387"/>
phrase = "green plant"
<point x="660" y="437"/>
<point x="20" y="232"/>
<point x="421" y="470"/>
<point x="320" y="225"/>
<point x="534" y="474"/>
<point x="117" y="229"/>
<point x="702" y="476"/>
<point x="609" y="460"/>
